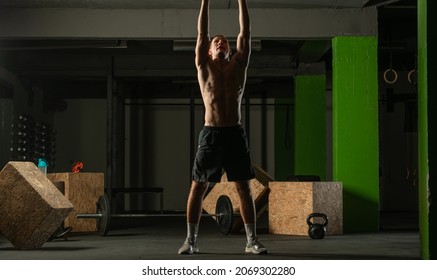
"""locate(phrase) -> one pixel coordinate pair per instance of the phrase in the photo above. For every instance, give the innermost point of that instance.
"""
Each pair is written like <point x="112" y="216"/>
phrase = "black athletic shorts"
<point x="222" y="148"/>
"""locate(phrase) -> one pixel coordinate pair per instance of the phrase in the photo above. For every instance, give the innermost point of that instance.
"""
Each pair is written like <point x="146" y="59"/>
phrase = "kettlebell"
<point x="316" y="230"/>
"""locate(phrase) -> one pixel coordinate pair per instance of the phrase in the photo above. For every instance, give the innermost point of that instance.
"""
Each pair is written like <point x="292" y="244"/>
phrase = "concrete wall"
<point x="26" y="99"/>
<point x="81" y="135"/>
<point x="398" y="145"/>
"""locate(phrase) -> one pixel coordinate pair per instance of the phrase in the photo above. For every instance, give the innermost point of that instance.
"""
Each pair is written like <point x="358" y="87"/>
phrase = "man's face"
<point x="219" y="48"/>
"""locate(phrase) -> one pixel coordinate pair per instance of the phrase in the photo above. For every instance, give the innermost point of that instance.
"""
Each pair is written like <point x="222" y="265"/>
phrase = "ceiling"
<point x="40" y="61"/>
<point x="181" y="4"/>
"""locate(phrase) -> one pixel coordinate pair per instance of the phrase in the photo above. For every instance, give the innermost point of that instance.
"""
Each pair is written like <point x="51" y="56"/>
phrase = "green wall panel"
<point x="431" y="59"/>
<point x="355" y="130"/>
<point x="310" y="126"/>
<point x="423" y="130"/>
<point x="427" y="127"/>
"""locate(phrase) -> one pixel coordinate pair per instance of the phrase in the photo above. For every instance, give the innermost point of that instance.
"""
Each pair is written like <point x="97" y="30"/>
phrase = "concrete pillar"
<point x="310" y="126"/>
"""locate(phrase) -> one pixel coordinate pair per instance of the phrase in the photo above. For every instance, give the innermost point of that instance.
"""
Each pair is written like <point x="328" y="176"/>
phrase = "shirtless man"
<point x="222" y="141"/>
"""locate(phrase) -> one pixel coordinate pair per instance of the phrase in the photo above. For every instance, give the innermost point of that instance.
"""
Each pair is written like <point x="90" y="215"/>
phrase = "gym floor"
<point x="159" y="238"/>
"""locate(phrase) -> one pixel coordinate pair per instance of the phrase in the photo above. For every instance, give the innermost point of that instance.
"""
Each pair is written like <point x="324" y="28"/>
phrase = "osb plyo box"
<point x="290" y="203"/>
<point x="31" y="207"/>
<point x="83" y="189"/>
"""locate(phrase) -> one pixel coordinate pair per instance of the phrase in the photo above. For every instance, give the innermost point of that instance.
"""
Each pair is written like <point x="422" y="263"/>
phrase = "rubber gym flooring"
<point x="159" y="238"/>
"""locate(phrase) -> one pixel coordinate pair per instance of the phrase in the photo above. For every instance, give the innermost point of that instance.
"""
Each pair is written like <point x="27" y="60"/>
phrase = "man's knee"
<point x="243" y="188"/>
<point x="198" y="188"/>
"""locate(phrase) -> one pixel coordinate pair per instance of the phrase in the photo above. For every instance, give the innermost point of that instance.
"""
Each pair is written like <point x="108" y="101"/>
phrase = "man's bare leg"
<point x="248" y="213"/>
<point x="194" y="211"/>
<point x="247" y="206"/>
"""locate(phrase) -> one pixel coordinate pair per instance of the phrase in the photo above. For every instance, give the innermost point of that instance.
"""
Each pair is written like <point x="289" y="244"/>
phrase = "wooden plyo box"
<point x="83" y="189"/>
<point x="290" y="203"/>
<point x="31" y="207"/>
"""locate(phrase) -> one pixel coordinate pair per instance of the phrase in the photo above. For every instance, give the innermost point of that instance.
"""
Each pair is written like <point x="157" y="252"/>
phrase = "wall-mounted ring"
<point x="395" y="76"/>
<point x="409" y="76"/>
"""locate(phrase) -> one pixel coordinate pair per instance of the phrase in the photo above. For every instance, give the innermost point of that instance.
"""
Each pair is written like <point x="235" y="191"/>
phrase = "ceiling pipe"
<point x="118" y="44"/>
<point x="379" y="3"/>
<point x="190" y="45"/>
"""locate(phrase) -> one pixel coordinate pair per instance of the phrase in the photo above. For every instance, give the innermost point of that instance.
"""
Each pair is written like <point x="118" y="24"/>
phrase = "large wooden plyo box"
<point x="83" y="189"/>
<point x="31" y="207"/>
<point x="290" y="203"/>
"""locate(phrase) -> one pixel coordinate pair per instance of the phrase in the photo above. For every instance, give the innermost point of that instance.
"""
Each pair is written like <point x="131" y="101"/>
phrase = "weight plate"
<point x="104" y="209"/>
<point x="225" y="214"/>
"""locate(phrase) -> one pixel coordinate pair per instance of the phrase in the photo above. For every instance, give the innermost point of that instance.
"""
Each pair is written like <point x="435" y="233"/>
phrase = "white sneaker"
<point x="255" y="247"/>
<point x="189" y="247"/>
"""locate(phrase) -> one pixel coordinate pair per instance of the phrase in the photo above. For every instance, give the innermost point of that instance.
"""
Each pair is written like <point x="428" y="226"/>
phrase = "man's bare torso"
<point x="222" y="85"/>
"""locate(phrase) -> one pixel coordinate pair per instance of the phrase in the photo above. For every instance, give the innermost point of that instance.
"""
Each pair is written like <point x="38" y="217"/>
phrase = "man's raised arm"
<point x="202" y="45"/>
<point x="243" y="40"/>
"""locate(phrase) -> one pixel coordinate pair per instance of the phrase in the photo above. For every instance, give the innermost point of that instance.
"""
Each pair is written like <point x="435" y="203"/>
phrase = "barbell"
<point x="224" y="214"/>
